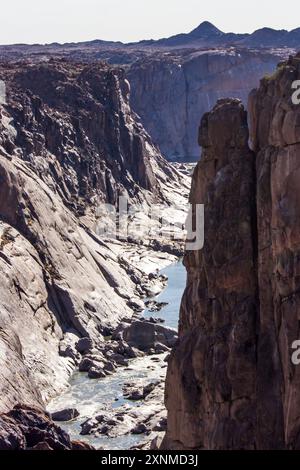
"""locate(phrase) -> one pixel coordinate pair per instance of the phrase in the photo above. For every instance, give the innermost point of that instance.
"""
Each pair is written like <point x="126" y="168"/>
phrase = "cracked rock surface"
<point x="231" y="383"/>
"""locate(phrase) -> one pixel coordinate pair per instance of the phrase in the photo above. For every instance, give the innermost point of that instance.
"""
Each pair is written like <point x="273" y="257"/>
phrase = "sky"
<point x="44" y="21"/>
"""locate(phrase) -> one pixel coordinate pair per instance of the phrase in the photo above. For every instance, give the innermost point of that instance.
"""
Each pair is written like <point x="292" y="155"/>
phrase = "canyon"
<point x="83" y="124"/>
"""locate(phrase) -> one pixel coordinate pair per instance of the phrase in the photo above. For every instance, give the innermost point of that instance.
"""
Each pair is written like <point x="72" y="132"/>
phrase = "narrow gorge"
<point x="113" y="335"/>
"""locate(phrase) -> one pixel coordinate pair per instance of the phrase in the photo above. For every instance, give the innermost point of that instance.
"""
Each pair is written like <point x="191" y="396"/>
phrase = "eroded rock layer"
<point x="231" y="382"/>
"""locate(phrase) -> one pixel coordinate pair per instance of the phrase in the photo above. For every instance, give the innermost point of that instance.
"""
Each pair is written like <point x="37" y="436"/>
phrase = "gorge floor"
<point x="93" y="397"/>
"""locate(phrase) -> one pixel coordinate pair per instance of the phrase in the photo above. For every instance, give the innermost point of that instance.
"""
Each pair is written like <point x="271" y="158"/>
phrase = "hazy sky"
<point x="43" y="21"/>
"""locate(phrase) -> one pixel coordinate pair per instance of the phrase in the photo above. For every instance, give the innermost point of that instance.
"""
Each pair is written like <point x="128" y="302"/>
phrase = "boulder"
<point x="154" y="306"/>
<point x="134" y="392"/>
<point x="65" y="415"/>
<point x="144" y="335"/>
<point x="84" y="345"/>
<point x="232" y="382"/>
<point x="96" y="373"/>
<point x="88" y="362"/>
<point x="115" y="424"/>
<point x="136" y="304"/>
<point x="140" y="428"/>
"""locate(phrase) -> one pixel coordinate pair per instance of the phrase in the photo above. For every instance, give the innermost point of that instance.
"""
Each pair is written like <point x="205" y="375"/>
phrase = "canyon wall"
<point x="68" y="141"/>
<point x="231" y="382"/>
<point x="172" y="90"/>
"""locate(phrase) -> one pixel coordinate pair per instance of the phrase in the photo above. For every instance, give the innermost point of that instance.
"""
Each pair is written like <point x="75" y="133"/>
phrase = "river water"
<point x="91" y="397"/>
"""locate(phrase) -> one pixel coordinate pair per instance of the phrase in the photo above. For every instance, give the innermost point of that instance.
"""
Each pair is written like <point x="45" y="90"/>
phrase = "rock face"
<point x="172" y="91"/>
<point x="73" y="124"/>
<point x="68" y="141"/>
<point x="231" y="382"/>
<point x="275" y="138"/>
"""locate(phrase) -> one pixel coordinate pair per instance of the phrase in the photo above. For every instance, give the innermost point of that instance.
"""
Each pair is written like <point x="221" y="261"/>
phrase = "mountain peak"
<point x="206" y="29"/>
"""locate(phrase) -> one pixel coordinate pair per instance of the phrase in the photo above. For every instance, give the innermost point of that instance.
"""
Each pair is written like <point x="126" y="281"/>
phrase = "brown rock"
<point x="80" y="445"/>
<point x="231" y="382"/>
<point x="211" y="375"/>
<point x="25" y="427"/>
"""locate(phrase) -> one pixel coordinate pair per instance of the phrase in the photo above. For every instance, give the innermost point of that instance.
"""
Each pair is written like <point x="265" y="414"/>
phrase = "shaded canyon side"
<point x="172" y="90"/>
<point x="231" y="383"/>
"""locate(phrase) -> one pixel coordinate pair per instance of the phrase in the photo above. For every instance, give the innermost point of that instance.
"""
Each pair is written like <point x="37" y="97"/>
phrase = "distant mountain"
<point x="268" y="37"/>
<point x="206" y="29"/>
<point x="204" y="35"/>
<point x="208" y="35"/>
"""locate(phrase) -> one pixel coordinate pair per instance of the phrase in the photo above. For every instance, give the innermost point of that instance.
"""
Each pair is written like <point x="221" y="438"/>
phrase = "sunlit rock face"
<point x="171" y="91"/>
<point x="231" y="381"/>
<point x="68" y="142"/>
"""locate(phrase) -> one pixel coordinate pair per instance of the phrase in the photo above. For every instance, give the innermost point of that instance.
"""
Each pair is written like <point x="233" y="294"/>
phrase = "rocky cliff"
<point x="174" y="81"/>
<point x="68" y="142"/>
<point x="171" y="91"/>
<point x="231" y="382"/>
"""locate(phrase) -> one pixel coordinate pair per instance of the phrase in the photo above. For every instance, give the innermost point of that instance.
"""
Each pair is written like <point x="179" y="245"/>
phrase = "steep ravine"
<point x="231" y="383"/>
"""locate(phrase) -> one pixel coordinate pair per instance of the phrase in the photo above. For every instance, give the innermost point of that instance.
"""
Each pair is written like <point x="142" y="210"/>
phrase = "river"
<point x="90" y="397"/>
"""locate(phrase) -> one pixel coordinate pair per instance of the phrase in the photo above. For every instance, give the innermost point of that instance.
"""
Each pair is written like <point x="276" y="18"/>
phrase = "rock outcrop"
<point x="28" y="428"/>
<point x="231" y="382"/>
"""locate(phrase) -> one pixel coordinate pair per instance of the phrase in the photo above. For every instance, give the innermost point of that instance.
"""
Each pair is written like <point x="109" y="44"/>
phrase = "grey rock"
<point x="136" y="304"/>
<point x="187" y="85"/>
<point x="161" y="348"/>
<point x="144" y="335"/>
<point x="96" y="373"/>
<point x="56" y="273"/>
<point x="139" y="429"/>
<point x="154" y="306"/>
<point x="88" y="362"/>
